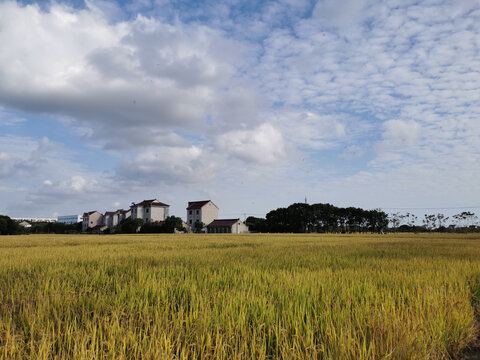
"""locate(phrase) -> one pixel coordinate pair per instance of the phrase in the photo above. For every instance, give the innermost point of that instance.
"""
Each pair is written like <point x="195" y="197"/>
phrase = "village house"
<point x="108" y="219"/>
<point x="204" y="211"/>
<point x="91" y="220"/>
<point x="150" y="210"/>
<point x="227" y="226"/>
<point x="121" y="215"/>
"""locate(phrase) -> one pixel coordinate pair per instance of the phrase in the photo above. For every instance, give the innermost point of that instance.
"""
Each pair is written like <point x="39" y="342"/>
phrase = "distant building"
<point x="205" y="211"/>
<point x="69" y="219"/>
<point x="121" y="215"/>
<point x="227" y="226"/>
<point x="49" y="220"/>
<point x="150" y="210"/>
<point x="108" y="219"/>
<point x="91" y="220"/>
<point x="25" y="224"/>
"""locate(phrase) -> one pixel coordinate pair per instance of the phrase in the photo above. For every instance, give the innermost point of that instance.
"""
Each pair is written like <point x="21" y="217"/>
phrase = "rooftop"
<point x="223" y="222"/>
<point x="195" y="205"/>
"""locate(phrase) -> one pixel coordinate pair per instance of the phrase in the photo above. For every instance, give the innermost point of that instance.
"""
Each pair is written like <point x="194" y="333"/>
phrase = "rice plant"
<point x="238" y="296"/>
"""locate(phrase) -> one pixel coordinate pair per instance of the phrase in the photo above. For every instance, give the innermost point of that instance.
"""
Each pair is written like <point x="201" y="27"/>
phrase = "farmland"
<point x="238" y="296"/>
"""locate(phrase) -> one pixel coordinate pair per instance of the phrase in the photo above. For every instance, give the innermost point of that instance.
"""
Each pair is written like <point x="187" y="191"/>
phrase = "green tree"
<point x="9" y="226"/>
<point x="199" y="226"/>
<point x="130" y="225"/>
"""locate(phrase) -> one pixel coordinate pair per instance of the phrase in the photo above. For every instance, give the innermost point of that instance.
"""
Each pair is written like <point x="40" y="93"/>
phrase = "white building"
<point x="108" y="219"/>
<point x="121" y="215"/>
<point x="69" y="219"/>
<point x="49" y="220"/>
<point x="204" y="211"/>
<point x="150" y="210"/>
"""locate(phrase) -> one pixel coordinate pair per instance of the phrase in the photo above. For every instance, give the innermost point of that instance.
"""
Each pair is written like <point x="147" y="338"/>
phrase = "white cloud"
<point x="164" y="164"/>
<point x="400" y="132"/>
<point x="262" y="145"/>
<point x="140" y="76"/>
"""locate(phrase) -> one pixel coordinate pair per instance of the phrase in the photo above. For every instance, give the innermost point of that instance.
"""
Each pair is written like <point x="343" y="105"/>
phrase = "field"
<point x="238" y="296"/>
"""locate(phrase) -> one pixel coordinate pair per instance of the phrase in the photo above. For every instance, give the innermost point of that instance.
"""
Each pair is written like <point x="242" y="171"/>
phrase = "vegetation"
<point x="55" y="228"/>
<point x="9" y="226"/>
<point x="129" y="226"/>
<point x="169" y="226"/>
<point x="199" y="226"/>
<point x="320" y="218"/>
<point x="396" y="296"/>
<point x="326" y="218"/>
<point x="461" y="223"/>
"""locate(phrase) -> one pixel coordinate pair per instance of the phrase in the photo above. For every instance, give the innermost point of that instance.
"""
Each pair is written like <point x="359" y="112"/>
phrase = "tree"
<point x="395" y="220"/>
<point x="130" y="225"/>
<point x="199" y="226"/>
<point x="9" y="226"/>
<point x="173" y="223"/>
<point x="168" y="226"/>
<point x="441" y="220"/>
<point x="256" y="224"/>
<point x="429" y="221"/>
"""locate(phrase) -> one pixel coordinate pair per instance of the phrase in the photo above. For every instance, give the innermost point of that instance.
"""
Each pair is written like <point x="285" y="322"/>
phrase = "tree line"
<point x="9" y="226"/>
<point x="319" y="218"/>
<point x="465" y="221"/>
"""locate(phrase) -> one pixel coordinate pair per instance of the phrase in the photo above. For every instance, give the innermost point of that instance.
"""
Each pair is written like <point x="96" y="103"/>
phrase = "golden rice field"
<point x="238" y="296"/>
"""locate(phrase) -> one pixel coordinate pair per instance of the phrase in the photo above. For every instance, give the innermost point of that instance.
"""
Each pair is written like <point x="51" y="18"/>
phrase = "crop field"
<point x="238" y="296"/>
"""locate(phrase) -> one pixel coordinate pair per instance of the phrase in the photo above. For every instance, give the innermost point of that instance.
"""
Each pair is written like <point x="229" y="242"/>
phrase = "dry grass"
<point x="238" y="297"/>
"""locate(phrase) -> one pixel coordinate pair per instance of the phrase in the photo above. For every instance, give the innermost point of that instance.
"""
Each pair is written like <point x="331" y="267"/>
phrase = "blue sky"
<point x="254" y="105"/>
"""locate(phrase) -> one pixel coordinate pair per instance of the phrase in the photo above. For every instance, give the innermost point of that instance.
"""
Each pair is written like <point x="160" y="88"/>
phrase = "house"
<point x="204" y="211"/>
<point x="25" y="224"/>
<point x="69" y="219"/>
<point x="108" y="219"/>
<point x="227" y="226"/>
<point x="91" y="219"/>
<point x="150" y="210"/>
<point x="121" y="215"/>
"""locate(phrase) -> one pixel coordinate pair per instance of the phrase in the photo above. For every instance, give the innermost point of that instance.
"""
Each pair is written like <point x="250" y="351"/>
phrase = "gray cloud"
<point x="135" y="76"/>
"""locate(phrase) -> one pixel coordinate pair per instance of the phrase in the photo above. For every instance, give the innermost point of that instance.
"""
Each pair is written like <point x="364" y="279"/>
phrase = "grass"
<point x="238" y="296"/>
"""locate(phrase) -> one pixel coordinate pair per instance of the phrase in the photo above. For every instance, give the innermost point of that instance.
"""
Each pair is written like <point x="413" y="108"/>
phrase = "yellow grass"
<point x="238" y="297"/>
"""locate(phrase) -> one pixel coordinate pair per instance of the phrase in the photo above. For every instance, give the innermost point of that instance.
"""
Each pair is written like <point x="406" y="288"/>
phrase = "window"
<point x="190" y="221"/>
<point x="198" y="212"/>
<point x="190" y="212"/>
<point x="146" y="210"/>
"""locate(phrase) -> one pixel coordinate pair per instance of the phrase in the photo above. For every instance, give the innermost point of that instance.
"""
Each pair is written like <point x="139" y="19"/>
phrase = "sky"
<point x="252" y="104"/>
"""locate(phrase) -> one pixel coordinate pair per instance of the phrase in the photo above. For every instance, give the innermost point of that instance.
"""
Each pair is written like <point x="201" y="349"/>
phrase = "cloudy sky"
<point x="253" y="104"/>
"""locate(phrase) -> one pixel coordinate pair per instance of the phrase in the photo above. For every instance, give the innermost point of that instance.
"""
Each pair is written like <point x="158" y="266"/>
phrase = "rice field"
<point x="252" y="296"/>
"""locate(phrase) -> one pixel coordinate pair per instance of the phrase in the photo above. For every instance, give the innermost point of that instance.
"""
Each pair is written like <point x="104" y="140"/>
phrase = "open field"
<point x="238" y="296"/>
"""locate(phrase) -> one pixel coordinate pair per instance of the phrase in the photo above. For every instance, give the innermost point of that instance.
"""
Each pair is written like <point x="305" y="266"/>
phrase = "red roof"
<point x="153" y="202"/>
<point x="109" y="213"/>
<point x="195" y="205"/>
<point x="223" y="222"/>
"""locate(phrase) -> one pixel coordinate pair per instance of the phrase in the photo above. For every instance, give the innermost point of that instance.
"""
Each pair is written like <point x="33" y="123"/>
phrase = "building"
<point x="227" y="226"/>
<point x="108" y="219"/>
<point x="48" y="220"/>
<point x="91" y="219"/>
<point x="69" y="219"/>
<point x="25" y="224"/>
<point x="150" y="210"/>
<point x="204" y="211"/>
<point x="121" y="215"/>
